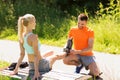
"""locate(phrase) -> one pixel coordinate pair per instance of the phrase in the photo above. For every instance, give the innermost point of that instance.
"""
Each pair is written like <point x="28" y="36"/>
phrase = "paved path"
<point x="108" y="63"/>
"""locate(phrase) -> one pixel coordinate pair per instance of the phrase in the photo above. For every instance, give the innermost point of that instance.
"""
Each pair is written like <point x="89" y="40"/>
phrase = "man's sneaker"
<point x="78" y="69"/>
<point x="97" y="78"/>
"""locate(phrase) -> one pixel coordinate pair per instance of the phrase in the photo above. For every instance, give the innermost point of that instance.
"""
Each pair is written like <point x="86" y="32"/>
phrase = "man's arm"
<point x="88" y="49"/>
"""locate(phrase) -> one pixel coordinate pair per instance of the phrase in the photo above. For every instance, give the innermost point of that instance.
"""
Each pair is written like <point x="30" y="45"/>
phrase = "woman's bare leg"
<point x="50" y="53"/>
<point x="55" y="57"/>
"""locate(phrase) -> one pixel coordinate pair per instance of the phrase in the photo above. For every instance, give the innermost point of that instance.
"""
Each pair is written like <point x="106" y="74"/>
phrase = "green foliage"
<point x="3" y="64"/>
<point x="4" y="78"/>
<point x="111" y="12"/>
<point x="50" y="21"/>
<point x="9" y="34"/>
<point x="107" y="27"/>
<point x="106" y="36"/>
<point x="7" y="78"/>
<point x="56" y="29"/>
<point x="6" y="15"/>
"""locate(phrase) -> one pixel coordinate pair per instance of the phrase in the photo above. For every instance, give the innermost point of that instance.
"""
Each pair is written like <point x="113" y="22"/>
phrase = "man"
<point x="83" y="39"/>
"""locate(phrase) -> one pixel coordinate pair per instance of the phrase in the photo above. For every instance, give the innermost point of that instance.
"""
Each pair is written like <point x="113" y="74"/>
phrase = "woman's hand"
<point x="36" y="76"/>
<point x="14" y="72"/>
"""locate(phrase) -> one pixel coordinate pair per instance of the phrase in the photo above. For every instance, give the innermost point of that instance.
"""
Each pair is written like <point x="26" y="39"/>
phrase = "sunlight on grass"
<point x="7" y="78"/>
<point x="106" y="36"/>
<point x="60" y="42"/>
<point x="9" y="34"/>
<point x="12" y="37"/>
<point x="4" y="78"/>
<point x="3" y="64"/>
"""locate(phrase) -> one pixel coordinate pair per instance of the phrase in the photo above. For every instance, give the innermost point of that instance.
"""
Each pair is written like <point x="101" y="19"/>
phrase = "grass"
<point x="3" y="64"/>
<point x="7" y="78"/>
<point x="106" y="35"/>
<point x="52" y="42"/>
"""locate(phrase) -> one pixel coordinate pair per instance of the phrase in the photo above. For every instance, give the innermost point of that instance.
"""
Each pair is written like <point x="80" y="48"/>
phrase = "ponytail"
<point x="20" y="29"/>
<point x="23" y="21"/>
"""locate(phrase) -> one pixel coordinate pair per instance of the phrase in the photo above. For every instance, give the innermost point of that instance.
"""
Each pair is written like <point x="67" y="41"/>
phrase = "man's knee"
<point x="65" y="61"/>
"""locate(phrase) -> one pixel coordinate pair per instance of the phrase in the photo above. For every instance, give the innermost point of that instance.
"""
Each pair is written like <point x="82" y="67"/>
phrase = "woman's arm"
<point x="22" y="54"/>
<point x="36" y="55"/>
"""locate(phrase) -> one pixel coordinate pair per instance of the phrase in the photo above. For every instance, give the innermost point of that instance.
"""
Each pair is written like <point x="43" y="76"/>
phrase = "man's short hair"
<point x="83" y="17"/>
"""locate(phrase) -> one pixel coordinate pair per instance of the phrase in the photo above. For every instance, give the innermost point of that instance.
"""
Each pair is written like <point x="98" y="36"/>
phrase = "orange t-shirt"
<point x="80" y="38"/>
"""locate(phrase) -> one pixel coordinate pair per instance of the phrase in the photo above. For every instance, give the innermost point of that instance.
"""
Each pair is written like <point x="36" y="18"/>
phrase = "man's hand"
<point x="72" y="51"/>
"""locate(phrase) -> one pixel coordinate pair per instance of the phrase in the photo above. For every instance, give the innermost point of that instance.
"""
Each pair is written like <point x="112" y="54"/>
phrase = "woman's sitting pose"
<point x="28" y="42"/>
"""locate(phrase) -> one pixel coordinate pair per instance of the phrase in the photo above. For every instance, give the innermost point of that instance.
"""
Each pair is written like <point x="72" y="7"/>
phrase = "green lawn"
<point x="3" y="64"/>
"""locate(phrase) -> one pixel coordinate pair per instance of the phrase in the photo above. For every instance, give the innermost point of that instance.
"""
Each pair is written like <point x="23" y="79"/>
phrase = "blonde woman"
<point x="29" y="41"/>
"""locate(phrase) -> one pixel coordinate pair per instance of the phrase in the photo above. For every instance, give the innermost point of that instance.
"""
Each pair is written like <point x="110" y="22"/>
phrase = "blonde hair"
<point x="23" y="22"/>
